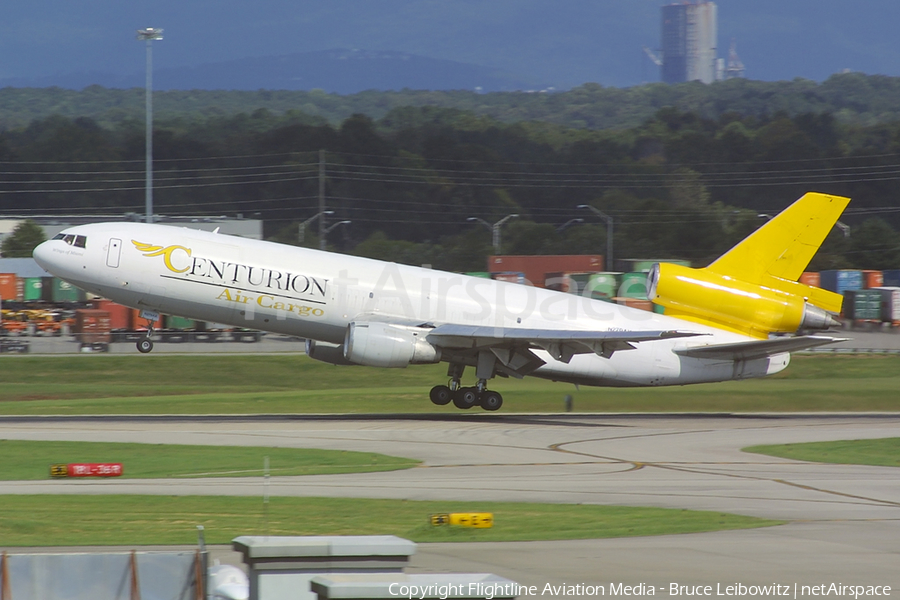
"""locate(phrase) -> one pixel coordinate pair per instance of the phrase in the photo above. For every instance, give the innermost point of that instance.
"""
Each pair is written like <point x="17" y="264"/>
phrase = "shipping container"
<point x="841" y="281"/>
<point x="890" y="278"/>
<point x="890" y="304"/>
<point x="119" y="316"/>
<point x="633" y="285"/>
<point x="32" y="289"/>
<point x="635" y="303"/>
<point x="173" y="322"/>
<point x="481" y="274"/>
<point x="873" y="279"/>
<point x="602" y="286"/>
<point x="92" y="326"/>
<point x="643" y="265"/>
<point x="10" y="287"/>
<point x="862" y="305"/>
<point x="535" y="268"/>
<point x="570" y="283"/>
<point x="811" y="278"/>
<point x="139" y="323"/>
<point x="510" y="277"/>
<point x="63" y="291"/>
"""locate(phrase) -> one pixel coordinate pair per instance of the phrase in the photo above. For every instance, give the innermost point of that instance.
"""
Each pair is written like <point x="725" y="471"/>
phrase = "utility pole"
<point x="148" y="35"/>
<point x="322" y="229"/>
<point x="609" y="234"/>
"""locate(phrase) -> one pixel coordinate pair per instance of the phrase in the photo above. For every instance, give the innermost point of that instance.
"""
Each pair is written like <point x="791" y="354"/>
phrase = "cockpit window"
<point x="79" y="241"/>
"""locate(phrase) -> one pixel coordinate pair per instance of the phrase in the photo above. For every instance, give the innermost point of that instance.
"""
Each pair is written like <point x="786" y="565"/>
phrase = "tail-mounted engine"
<point x="385" y="345"/>
<point x="776" y="306"/>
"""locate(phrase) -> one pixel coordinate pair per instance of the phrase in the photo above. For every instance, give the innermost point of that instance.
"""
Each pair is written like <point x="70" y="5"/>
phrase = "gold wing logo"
<point x="166" y="253"/>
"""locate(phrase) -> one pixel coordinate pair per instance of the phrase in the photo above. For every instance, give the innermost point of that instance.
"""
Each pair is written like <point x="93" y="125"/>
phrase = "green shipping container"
<point x="634" y="285"/>
<point x="63" y="291"/>
<point x="34" y="287"/>
<point x="602" y="286"/>
<point x="644" y="266"/>
<point x="482" y="274"/>
<point x="863" y="305"/>
<point x="173" y="322"/>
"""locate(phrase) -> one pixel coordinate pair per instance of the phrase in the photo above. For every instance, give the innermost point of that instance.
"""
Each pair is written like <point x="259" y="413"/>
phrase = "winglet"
<point x="784" y="246"/>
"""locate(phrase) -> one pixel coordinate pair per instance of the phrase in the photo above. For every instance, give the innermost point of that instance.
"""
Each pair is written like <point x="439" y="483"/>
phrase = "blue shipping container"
<point x="891" y="278"/>
<point x="842" y="281"/>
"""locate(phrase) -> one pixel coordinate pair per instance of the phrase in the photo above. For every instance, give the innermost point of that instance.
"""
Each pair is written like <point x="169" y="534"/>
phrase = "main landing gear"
<point x="465" y="397"/>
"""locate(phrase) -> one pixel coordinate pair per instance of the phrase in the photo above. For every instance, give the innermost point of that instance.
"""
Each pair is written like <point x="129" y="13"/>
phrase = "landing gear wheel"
<point x="441" y="395"/>
<point x="144" y="346"/>
<point x="465" y="398"/>
<point x="491" y="401"/>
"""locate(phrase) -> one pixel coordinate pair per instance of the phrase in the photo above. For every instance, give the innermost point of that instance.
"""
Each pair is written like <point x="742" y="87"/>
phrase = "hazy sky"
<point x="565" y="42"/>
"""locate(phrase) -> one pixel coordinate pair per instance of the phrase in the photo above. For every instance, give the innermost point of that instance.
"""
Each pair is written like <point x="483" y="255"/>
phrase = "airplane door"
<point x="112" y="255"/>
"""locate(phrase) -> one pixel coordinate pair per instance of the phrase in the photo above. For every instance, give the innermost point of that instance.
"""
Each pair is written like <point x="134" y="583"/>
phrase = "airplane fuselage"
<point x="317" y="295"/>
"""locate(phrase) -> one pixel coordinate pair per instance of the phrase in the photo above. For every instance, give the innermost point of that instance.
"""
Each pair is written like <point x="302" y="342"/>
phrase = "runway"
<point x="843" y="520"/>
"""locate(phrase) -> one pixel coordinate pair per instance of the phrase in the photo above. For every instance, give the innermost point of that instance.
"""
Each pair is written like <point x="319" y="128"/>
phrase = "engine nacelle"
<point x="384" y="345"/>
<point x="332" y="354"/>
<point x="777" y="306"/>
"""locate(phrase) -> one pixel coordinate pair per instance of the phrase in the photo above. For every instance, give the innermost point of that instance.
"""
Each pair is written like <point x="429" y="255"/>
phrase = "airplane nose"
<point x="41" y="255"/>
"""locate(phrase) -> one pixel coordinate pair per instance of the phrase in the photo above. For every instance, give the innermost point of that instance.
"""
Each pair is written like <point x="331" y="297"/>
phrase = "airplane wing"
<point x="757" y="348"/>
<point x="512" y="346"/>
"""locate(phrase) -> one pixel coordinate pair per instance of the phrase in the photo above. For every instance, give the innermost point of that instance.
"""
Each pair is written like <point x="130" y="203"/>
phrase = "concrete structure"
<point x="689" y="42"/>
<point x="282" y="566"/>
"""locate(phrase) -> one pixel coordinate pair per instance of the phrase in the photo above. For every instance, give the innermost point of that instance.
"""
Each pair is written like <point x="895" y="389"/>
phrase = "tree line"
<point x="677" y="185"/>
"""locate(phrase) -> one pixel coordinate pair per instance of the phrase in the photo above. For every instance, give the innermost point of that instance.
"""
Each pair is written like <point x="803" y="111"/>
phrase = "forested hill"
<point x="677" y="185"/>
<point x="851" y="97"/>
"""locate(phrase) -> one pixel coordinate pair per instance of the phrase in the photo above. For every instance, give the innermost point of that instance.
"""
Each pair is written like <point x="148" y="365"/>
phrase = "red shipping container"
<point x="91" y="326"/>
<point x="10" y="287"/>
<point x="535" y="268"/>
<point x="119" y="316"/>
<point x="811" y="278"/>
<point x="873" y="279"/>
<point x="138" y="323"/>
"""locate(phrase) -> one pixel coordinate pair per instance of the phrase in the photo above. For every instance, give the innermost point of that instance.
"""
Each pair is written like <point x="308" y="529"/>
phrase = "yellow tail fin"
<point x="783" y="247"/>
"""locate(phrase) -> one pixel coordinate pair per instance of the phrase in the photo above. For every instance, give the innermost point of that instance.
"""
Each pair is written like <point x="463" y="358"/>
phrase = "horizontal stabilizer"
<point x="758" y="348"/>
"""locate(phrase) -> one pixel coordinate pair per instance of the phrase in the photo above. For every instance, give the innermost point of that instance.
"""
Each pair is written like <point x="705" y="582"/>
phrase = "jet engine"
<point x="385" y="345"/>
<point x="332" y="354"/>
<point x="773" y="306"/>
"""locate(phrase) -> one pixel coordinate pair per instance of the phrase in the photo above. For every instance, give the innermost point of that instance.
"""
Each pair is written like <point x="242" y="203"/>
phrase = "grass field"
<point x="881" y="452"/>
<point x="224" y="384"/>
<point x="30" y="460"/>
<point x="119" y="520"/>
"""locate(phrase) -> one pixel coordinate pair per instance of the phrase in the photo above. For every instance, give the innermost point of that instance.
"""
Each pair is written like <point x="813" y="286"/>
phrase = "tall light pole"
<point x="495" y="229"/>
<point x="326" y="231"/>
<point x="148" y="35"/>
<point x="609" y="233"/>
<point x="302" y="232"/>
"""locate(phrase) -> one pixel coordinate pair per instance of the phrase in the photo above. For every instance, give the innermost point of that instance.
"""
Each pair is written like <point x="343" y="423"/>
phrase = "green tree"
<point x="23" y="240"/>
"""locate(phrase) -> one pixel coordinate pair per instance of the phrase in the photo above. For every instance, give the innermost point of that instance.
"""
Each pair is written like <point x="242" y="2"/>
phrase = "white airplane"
<point x="738" y="318"/>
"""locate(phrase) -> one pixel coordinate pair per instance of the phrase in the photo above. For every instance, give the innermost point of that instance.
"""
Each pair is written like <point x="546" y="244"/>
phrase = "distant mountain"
<point x="335" y="71"/>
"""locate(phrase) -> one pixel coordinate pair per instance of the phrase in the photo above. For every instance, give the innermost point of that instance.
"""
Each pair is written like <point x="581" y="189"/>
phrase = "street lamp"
<point x="568" y="224"/>
<point x="609" y="233"/>
<point x="302" y="232"/>
<point x="148" y="35"/>
<point x="326" y="231"/>
<point x="494" y="229"/>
